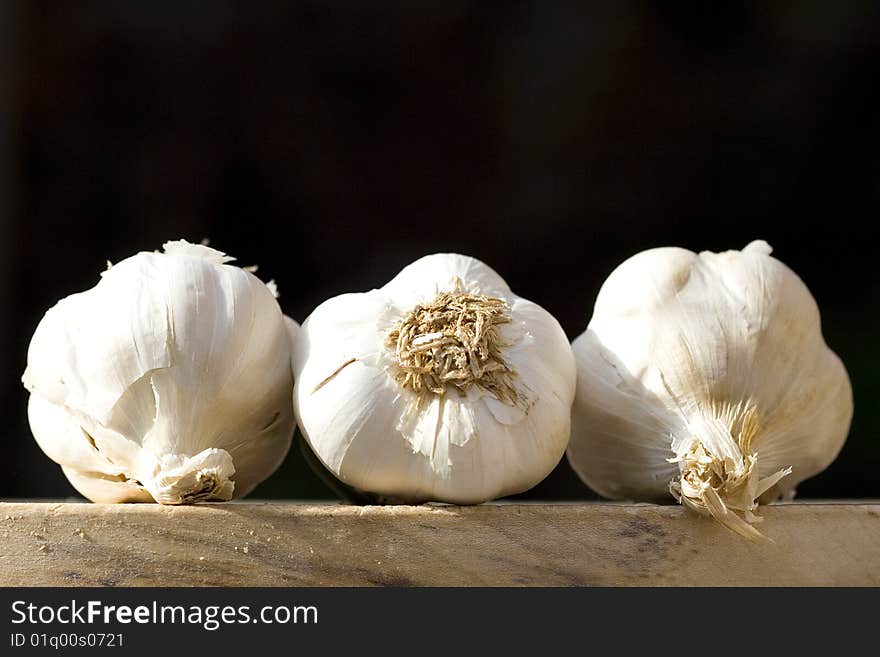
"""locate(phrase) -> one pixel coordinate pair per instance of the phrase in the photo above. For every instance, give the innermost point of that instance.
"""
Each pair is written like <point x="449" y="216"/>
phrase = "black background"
<point x="334" y="142"/>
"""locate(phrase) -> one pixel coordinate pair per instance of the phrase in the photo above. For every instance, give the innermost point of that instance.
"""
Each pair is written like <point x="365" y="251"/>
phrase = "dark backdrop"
<point x="334" y="142"/>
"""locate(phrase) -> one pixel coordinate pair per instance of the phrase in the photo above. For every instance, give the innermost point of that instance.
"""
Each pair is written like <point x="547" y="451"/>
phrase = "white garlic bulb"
<point x="706" y="377"/>
<point x="442" y="385"/>
<point x="170" y="380"/>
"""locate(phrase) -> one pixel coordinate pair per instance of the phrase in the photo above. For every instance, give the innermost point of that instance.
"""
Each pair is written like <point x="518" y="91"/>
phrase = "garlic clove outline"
<point x="383" y="423"/>
<point x="705" y="376"/>
<point x="170" y="380"/>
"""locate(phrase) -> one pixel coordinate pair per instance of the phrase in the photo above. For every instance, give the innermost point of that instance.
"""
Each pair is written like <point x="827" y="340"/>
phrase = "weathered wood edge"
<point x="289" y="544"/>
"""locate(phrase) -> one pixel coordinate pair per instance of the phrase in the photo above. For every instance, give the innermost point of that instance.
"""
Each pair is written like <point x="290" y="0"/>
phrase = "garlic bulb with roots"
<point x="706" y="378"/>
<point x="442" y="385"/>
<point x="170" y="380"/>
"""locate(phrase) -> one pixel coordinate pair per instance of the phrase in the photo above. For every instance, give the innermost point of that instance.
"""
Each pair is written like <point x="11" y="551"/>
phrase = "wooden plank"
<point x="246" y="544"/>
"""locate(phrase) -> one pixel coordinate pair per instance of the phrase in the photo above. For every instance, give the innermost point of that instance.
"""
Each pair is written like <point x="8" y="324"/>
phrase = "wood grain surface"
<point x="248" y="544"/>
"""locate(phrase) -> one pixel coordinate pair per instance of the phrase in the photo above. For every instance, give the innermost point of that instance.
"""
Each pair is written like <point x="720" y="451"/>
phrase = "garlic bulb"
<point x="706" y="377"/>
<point x="442" y="385"/>
<point x="170" y="380"/>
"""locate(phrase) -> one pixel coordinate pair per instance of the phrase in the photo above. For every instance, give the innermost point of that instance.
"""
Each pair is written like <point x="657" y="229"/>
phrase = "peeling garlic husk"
<point x="169" y="381"/>
<point x="442" y="385"/>
<point x="706" y="378"/>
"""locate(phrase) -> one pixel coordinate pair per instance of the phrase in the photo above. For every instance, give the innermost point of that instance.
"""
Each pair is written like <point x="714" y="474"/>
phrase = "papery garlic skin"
<point x="169" y="381"/>
<point x="706" y="377"/>
<point x="459" y="446"/>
